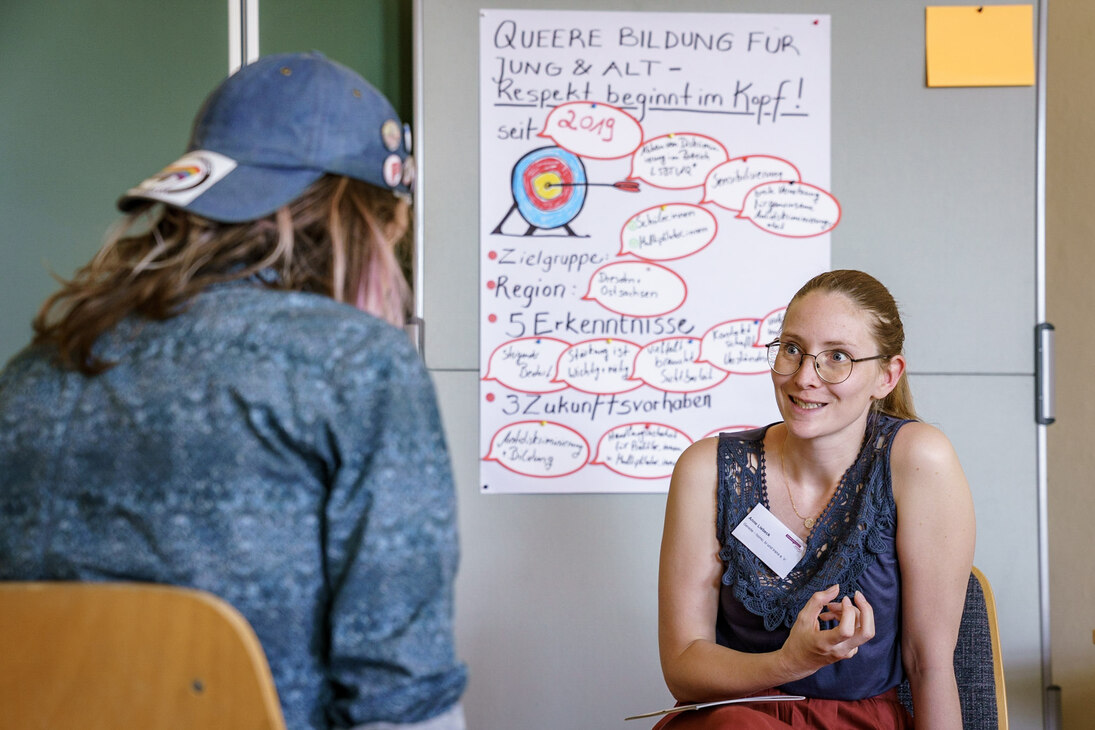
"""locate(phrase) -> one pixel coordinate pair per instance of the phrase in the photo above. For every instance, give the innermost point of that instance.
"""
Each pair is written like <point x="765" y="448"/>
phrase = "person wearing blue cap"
<point x="223" y="398"/>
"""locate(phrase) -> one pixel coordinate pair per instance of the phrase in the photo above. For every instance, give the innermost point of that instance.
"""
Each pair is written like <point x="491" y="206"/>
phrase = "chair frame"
<point x="997" y="655"/>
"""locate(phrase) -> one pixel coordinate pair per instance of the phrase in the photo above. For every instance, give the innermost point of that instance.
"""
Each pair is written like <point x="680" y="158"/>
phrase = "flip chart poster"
<point x="653" y="189"/>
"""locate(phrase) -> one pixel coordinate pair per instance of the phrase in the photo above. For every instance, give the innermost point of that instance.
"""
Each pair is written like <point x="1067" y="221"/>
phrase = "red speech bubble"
<point x="636" y="289"/>
<point x="677" y="161"/>
<point x="727" y="429"/>
<point x="601" y="366"/>
<point x="641" y="450"/>
<point x="539" y="449"/>
<point x="732" y="346"/>
<point x="592" y="129"/>
<point x="730" y="182"/>
<point x="667" y="232"/>
<point x="526" y="364"/>
<point x="791" y="209"/>
<point x="670" y="365"/>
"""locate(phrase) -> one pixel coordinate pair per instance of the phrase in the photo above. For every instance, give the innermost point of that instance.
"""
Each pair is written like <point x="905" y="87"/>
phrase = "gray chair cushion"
<point x="973" y="665"/>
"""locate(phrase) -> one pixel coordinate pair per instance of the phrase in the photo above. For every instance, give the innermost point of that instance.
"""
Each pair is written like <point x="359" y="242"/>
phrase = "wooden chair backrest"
<point x="129" y="655"/>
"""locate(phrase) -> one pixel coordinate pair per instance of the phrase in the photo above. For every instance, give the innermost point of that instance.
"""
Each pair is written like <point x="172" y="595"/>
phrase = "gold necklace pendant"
<point x="807" y="522"/>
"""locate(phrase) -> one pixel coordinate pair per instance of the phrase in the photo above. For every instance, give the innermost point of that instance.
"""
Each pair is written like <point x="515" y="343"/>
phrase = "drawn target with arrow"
<point x="549" y="189"/>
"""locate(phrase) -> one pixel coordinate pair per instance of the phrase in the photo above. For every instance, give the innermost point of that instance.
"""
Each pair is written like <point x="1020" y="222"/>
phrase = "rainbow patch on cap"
<point x="177" y="178"/>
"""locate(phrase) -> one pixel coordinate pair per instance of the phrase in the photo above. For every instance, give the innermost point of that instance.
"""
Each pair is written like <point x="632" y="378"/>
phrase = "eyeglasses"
<point x="832" y="366"/>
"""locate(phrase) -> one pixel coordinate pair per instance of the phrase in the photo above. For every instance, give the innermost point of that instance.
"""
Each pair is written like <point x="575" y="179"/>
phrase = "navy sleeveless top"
<point x="852" y="544"/>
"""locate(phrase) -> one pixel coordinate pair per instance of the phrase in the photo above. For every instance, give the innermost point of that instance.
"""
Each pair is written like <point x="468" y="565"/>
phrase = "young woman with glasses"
<point x="825" y="556"/>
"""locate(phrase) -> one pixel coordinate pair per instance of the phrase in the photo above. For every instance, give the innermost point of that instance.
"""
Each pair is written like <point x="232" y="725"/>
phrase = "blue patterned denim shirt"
<point x="278" y="449"/>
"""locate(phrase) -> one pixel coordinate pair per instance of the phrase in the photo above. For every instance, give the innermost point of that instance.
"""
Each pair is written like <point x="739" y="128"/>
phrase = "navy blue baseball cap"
<point x="275" y="127"/>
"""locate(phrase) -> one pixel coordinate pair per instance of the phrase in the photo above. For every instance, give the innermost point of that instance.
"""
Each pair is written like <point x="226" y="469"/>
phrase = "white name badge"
<point x="770" y="540"/>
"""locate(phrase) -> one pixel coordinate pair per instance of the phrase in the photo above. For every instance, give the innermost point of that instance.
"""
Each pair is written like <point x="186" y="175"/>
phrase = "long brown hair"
<point x="870" y="296"/>
<point x="332" y="240"/>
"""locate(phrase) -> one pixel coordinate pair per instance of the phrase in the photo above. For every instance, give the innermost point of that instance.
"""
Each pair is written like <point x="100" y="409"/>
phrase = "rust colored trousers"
<point x="883" y="712"/>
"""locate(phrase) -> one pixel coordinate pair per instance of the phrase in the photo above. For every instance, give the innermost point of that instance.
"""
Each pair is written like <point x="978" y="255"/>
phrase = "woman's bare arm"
<point x="935" y="541"/>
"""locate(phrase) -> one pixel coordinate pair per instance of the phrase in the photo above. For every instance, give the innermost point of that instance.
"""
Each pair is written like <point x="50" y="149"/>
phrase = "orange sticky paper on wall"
<point x="980" y="45"/>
